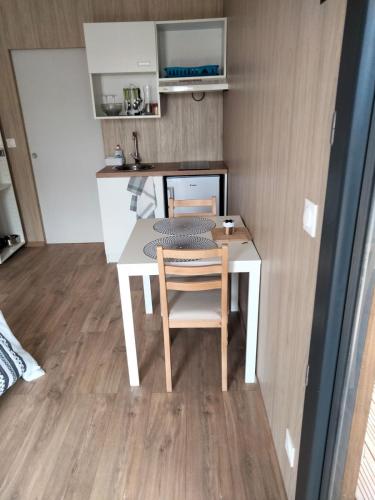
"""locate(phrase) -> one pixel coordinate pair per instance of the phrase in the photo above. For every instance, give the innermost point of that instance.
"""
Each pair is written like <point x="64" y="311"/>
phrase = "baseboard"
<point x="35" y="243"/>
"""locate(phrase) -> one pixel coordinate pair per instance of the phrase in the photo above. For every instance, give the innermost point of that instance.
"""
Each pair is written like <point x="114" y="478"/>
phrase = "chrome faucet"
<point x="135" y="154"/>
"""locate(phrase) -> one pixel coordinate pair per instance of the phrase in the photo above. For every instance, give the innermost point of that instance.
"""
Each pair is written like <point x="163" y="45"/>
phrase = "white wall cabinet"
<point x="117" y="219"/>
<point x="124" y="53"/>
<point x="10" y="220"/>
<point x="121" y="47"/>
<point x="120" y="55"/>
<point x="197" y="42"/>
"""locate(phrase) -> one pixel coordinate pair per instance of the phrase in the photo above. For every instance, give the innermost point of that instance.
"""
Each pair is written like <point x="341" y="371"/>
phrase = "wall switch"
<point x="11" y="143"/>
<point x="310" y="218"/>
<point x="290" y="450"/>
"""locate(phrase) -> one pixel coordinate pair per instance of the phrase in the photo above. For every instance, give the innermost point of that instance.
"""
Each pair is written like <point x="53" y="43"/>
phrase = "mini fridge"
<point x="186" y="187"/>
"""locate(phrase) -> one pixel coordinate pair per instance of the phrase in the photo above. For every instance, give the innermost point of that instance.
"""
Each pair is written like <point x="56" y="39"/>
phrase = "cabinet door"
<point x="117" y="218"/>
<point x="120" y="47"/>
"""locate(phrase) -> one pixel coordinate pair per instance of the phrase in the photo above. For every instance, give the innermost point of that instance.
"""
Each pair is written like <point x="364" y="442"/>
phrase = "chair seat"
<point x="195" y="306"/>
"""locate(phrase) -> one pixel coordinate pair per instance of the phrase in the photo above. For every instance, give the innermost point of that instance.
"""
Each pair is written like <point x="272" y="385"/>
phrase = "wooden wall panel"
<point x="283" y="62"/>
<point x="188" y="130"/>
<point x="32" y="24"/>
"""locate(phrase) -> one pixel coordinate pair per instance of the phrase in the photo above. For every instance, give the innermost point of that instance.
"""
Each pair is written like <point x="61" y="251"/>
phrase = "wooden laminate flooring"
<point x="81" y="432"/>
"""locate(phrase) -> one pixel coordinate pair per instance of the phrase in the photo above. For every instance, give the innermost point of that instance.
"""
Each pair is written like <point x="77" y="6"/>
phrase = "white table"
<point x="243" y="258"/>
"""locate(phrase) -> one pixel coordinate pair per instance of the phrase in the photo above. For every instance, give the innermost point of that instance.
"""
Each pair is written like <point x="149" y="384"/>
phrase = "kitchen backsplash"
<point x="187" y="130"/>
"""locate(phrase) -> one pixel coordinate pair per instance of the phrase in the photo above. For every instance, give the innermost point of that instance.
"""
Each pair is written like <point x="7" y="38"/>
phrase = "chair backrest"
<point x="215" y="264"/>
<point x="209" y="202"/>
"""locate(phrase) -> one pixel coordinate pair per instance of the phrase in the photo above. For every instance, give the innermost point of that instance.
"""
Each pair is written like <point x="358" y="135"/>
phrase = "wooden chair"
<point x="209" y="202"/>
<point x="197" y="298"/>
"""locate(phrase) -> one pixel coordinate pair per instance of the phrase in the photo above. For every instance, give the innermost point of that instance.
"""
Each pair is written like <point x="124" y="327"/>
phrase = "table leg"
<point x="252" y="325"/>
<point x="127" y="317"/>
<point x="147" y="293"/>
<point x="234" y="292"/>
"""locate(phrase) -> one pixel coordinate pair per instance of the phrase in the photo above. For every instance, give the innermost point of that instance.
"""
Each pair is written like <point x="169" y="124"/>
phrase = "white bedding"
<point x="15" y="361"/>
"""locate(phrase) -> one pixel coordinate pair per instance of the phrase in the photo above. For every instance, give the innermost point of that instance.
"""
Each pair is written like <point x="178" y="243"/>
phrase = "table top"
<point x="242" y="256"/>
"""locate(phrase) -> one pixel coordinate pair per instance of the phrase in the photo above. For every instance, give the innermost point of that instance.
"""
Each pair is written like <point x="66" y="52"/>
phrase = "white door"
<point x="64" y="140"/>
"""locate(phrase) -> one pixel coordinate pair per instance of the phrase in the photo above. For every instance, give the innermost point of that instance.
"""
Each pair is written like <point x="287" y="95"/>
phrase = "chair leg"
<point x="224" y="357"/>
<point x="167" y="356"/>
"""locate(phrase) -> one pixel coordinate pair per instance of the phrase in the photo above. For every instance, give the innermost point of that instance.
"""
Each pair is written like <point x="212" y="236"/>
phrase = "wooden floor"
<point x="366" y="479"/>
<point x="81" y="433"/>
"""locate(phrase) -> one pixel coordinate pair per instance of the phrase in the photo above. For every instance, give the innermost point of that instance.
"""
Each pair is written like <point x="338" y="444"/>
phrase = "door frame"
<point x="346" y="213"/>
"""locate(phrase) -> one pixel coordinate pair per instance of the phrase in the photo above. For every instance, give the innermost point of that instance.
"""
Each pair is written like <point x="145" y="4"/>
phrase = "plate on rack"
<point x="184" y="242"/>
<point x="184" y="225"/>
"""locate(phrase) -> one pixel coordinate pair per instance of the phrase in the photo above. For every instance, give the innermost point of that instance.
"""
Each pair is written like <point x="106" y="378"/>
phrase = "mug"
<point x="228" y="225"/>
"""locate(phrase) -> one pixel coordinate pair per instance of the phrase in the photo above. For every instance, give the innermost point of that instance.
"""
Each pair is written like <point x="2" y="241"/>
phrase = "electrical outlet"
<point x="289" y="447"/>
<point x="11" y="143"/>
<point x="310" y="218"/>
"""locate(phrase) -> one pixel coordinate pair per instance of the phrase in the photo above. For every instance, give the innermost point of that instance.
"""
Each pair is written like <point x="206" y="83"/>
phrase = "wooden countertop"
<point x="162" y="169"/>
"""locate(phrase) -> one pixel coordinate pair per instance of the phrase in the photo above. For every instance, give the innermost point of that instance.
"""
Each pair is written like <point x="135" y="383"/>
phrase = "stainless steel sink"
<point x="134" y="167"/>
<point x="137" y="165"/>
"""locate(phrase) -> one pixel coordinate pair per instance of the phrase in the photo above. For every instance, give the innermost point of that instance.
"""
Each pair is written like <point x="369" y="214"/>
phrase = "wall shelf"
<point x="123" y="117"/>
<point x="9" y="251"/>
<point x="114" y="83"/>
<point x="192" y="79"/>
<point x="10" y="220"/>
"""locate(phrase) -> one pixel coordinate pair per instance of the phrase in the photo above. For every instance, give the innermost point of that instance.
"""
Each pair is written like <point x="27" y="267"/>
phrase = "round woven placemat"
<point x="184" y="225"/>
<point x="185" y="242"/>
